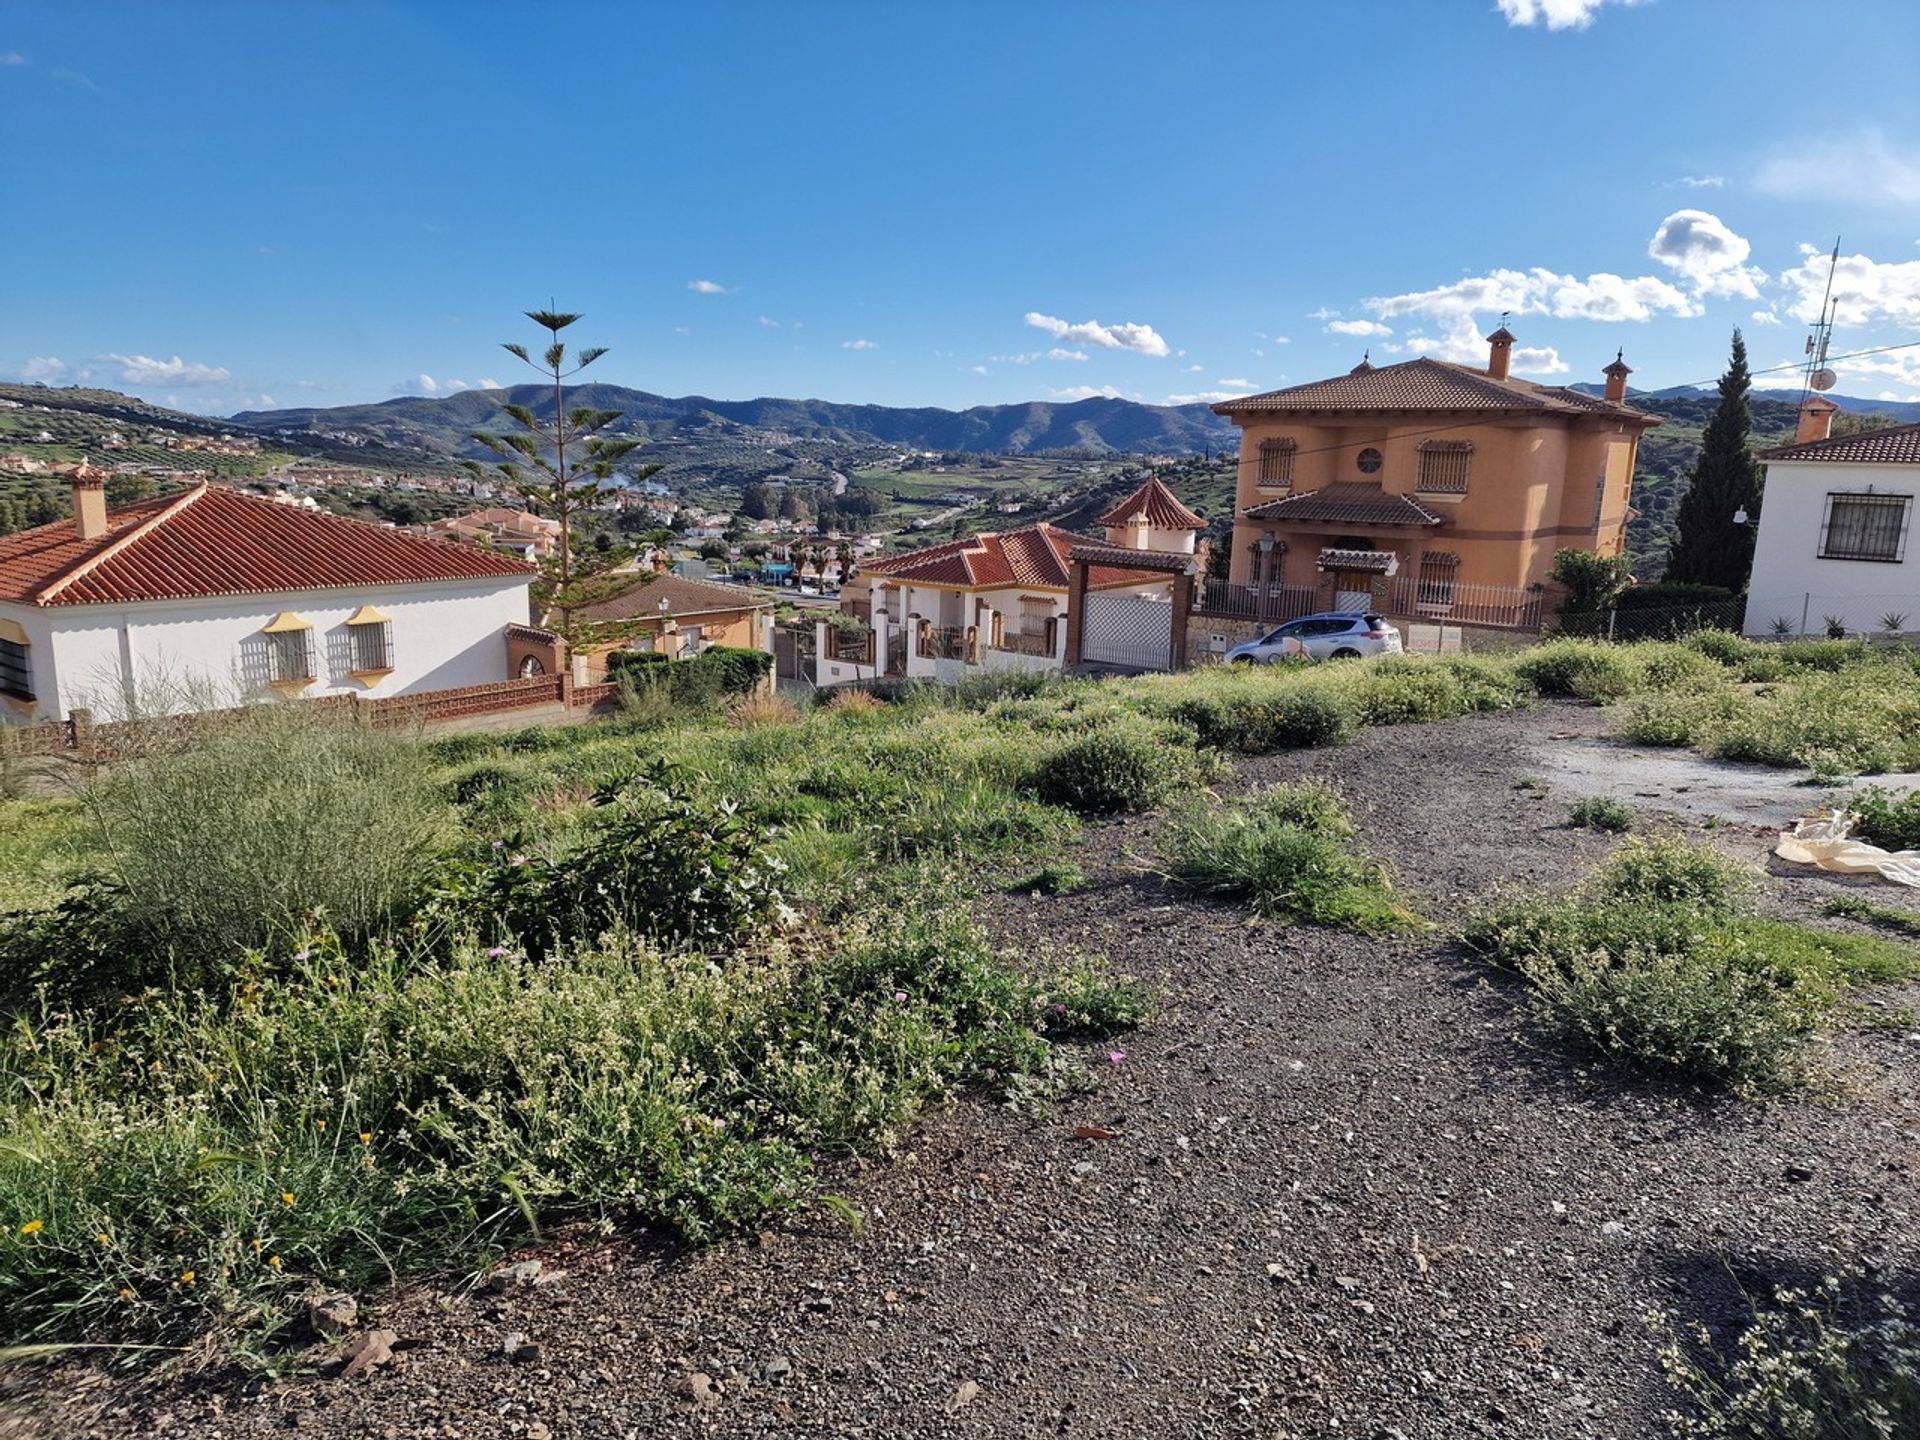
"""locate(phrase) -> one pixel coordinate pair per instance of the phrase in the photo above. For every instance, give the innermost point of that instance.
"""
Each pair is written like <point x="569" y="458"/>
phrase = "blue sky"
<point x="244" y="204"/>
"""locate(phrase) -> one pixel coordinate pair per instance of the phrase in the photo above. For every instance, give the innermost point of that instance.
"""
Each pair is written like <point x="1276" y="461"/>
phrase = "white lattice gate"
<point x="1135" y="631"/>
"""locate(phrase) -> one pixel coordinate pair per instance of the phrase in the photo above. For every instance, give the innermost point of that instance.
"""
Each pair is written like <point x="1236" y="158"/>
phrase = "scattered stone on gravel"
<point x="699" y="1391"/>
<point x="367" y="1351"/>
<point x="516" y="1276"/>
<point x="778" y="1368"/>
<point x="1799" y="1172"/>
<point x="332" y="1314"/>
<point x="968" y="1392"/>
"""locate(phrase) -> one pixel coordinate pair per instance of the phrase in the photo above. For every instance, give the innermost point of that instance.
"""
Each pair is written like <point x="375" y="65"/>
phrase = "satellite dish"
<point x="1825" y="379"/>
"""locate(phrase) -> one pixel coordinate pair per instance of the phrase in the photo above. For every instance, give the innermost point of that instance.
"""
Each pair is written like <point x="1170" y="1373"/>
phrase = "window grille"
<point x="1444" y="467"/>
<point x="1438" y="572"/>
<point x="1865" y="527"/>
<point x="1276" y="462"/>
<point x="372" y="645"/>
<point x="289" y="655"/>
<point x="16" y="670"/>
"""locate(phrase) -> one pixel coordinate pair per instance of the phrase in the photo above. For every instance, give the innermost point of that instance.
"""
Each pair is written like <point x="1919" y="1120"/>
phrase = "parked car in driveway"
<point x="1335" y="635"/>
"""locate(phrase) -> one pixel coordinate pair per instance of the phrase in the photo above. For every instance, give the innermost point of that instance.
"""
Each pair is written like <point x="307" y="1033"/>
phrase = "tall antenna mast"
<point x="1818" y="376"/>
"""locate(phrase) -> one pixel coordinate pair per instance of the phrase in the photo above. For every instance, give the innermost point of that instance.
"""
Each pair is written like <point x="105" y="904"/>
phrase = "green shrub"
<point x="209" y="1163"/>
<point x="1405" y="692"/>
<point x="270" y="817"/>
<point x="1599" y="812"/>
<point x="1664" y="870"/>
<point x="1889" y="819"/>
<point x="1723" y="647"/>
<point x="1285" y="852"/>
<point x="1578" y="669"/>
<point x="704" y="681"/>
<point x="1487" y="684"/>
<point x="1671" y="667"/>
<point x="1110" y="771"/>
<point x="656" y="861"/>
<point x="1820" y="1366"/>
<point x="1689" y="717"/>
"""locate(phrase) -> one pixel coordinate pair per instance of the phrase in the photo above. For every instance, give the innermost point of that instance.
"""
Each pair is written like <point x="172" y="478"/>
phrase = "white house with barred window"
<point x="1835" y="529"/>
<point x="213" y="596"/>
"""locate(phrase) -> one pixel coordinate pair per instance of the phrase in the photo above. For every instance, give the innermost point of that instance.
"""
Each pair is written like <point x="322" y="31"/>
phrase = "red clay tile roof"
<point x="1033" y="556"/>
<point x="212" y="541"/>
<point x="1120" y="557"/>
<point x="1371" y="562"/>
<point x="1347" y="503"/>
<point x="1159" y="504"/>
<point x="1428" y="385"/>
<point x="1896" y="445"/>
<point x="684" y="597"/>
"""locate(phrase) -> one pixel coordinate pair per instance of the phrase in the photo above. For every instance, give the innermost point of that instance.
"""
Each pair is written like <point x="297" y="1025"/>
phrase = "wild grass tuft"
<point x="1286" y="852"/>
<point x="1601" y="812"/>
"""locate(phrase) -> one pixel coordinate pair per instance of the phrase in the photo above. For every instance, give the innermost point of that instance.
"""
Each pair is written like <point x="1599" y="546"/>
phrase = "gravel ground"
<point x="1347" y="1193"/>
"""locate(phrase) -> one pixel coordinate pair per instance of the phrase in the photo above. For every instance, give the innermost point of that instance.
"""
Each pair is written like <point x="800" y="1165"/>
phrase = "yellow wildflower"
<point x="286" y="1197"/>
<point x="186" y="1277"/>
<point x="274" y="1261"/>
<point x="125" y="1293"/>
<point x="33" y="1227"/>
<point x="366" y="1137"/>
<point x="104" y="1238"/>
<point x="321" y="1124"/>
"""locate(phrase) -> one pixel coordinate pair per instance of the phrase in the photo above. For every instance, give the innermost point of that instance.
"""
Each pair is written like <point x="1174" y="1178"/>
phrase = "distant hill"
<point x="1905" y="411"/>
<point x="1098" y="425"/>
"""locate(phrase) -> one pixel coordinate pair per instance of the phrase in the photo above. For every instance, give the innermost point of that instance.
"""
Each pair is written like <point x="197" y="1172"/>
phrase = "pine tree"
<point x="1708" y="547"/>
<point x="558" y="468"/>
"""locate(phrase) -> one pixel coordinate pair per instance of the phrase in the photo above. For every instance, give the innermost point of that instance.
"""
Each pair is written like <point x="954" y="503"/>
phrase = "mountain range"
<point x="1099" y="424"/>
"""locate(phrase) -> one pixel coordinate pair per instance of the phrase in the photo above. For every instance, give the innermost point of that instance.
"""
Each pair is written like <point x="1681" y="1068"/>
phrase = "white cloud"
<point x="1765" y="317"/>
<point x="43" y="368"/>
<point x="1059" y="354"/>
<point x="710" y="287"/>
<point x="1463" y="344"/>
<point x="1283" y="340"/>
<point x="1860" y="168"/>
<point x="1540" y="291"/>
<point x="1204" y="397"/>
<point x="1088" y="392"/>
<point x="73" y="77"/>
<point x="1325" y="312"/>
<point x="683" y="329"/>
<point x="768" y="322"/>
<point x="859" y="344"/>
<point x="1195" y="369"/>
<point x="486" y="384"/>
<point x="1699" y="182"/>
<point x="1141" y="339"/>
<point x="979" y="369"/>
<point x="1699" y="246"/>
<point x="12" y="57"/>
<point x="1555" y="14"/>
<point x="1237" y="384"/>
<point x="1358" y="327"/>
<point x="145" y="370"/>
<point x="1867" y="290"/>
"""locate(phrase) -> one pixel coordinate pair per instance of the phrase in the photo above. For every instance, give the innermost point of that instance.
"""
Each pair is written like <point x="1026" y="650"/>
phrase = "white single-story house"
<point x="1835" y="522"/>
<point x="1000" y="600"/>
<point x="211" y="595"/>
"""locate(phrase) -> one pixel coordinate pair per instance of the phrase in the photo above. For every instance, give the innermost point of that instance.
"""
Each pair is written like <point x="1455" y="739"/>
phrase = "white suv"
<point x="1347" y="635"/>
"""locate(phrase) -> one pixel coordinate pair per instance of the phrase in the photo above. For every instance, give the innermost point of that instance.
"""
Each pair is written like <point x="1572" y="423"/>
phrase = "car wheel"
<point x="1345" y="653"/>
<point x="1241" y="660"/>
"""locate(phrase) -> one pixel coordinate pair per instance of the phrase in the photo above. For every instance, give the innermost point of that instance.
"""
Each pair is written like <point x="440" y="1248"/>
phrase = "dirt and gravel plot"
<point x="1347" y="1193"/>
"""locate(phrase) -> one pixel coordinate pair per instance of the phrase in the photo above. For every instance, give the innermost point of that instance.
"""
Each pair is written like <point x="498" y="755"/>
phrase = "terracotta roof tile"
<point x="212" y="541"/>
<point x="1347" y="503"/>
<point x="1159" y="504"/>
<point x="1896" y="445"/>
<point x="1131" y="562"/>
<point x="1425" y="384"/>
<point x="1372" y="562"/>
<point x="1035" y="556"/>
<point x="684" y="597"/>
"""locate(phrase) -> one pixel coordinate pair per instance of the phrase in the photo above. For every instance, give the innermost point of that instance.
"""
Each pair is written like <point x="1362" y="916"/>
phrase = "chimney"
<point x="1500" y="353"/>
<point x="1616" y="374"/>
<point x="90" y="501"/>
<point x="1816" y="419"/>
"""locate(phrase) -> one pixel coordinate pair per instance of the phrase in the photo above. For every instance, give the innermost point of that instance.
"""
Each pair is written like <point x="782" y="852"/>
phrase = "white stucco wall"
<point x="1790" y="579"/>
<point x="445" y="635"/>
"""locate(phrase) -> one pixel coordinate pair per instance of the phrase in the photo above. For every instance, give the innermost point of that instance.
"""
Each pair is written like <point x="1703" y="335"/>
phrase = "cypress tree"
<point x="1708" y="547"/>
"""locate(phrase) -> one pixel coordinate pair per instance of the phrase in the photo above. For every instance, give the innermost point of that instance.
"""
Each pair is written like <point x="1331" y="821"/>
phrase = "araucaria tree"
<point x="558" y="468"/>
<point x="1709" y="547"/>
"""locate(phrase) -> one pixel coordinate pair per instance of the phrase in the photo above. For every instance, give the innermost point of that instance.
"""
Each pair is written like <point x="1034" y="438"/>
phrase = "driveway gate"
<point x="1133" y="631"/>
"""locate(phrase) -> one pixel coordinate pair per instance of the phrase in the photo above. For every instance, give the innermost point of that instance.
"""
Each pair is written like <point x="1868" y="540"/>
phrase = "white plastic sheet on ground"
<point x="1824" y="840"/>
